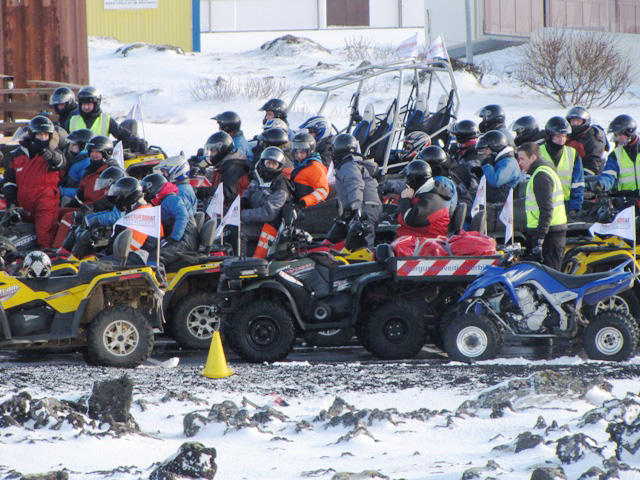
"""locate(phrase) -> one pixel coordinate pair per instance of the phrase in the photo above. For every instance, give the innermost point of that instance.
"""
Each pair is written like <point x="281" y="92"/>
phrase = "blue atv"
<point x="530" y="300"/>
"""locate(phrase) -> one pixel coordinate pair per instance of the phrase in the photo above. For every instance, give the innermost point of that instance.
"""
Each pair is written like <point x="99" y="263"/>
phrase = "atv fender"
<point x="183" y="275"/>
<point x="485" y="282"/>
<point x="4" y="324"/>
<point x="362" y="282"/>
<point x="273" y="285"/>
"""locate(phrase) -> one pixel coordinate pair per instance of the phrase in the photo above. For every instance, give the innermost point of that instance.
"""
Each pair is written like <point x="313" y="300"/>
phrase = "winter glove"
<point x="46" y="154"/>
<point x="91" y="223"/>
<point x="487" y="161"/>
<point x="477" y="171"/>
<point x="167" y="242"/>
<point x="299" y="204"/>
<point x="598" y="187"/>
<point x="536" y="251"/>
<point x="141" y="145"/>
<point x="573" y="214"/>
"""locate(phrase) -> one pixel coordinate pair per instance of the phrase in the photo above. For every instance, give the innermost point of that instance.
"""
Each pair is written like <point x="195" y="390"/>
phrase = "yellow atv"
<point x="110" y="310"/>
<point x="142" y="164"/>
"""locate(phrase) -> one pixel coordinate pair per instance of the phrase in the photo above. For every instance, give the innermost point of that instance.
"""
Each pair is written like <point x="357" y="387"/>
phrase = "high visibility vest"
<point x="629" y="176"/>
<point x="559" y="215"/>
<point x="100" y="125"/>
<point x="564" y="169"/>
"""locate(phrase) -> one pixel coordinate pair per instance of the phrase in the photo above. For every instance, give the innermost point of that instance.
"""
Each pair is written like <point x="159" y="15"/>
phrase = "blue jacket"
<point x="504" y="171"/>
<point x="75" y="174"/>
<point x="176" y="213"/>
<point x="107" y="218"/>
<point x="577" y="186"/>
<point x="188" y="196"/>
<point x="447" y="182"/>
<point x="242" y="145"/>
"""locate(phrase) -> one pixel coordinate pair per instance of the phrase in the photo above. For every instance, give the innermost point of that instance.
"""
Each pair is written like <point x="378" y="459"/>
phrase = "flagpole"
<point x="634" y="244"/>
<point x="159" y="240"/>
<point x="144" y="134"/>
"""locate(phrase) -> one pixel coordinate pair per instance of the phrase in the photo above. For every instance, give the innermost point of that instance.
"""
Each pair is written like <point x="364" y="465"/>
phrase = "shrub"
<point x="361" y="48"/>
<point x="225" y="89"/>
<point x="575" y="68"/>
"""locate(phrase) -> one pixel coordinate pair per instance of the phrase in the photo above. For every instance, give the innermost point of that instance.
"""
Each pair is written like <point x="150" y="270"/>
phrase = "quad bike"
<point x="139" y="165"/>
<point x="529" y="300"/>
<point x="109" y="310"/>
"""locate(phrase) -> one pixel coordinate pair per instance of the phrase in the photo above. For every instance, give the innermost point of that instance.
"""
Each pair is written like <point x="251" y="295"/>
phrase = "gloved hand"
<point x="46" y="154"/>
<point x="141" y="145"/>
<point x="573" y="214"/>
<point x="536" y="251"/>
<point x="598" y="187"/>
<point x="487" y="161"/>
<point x="299" y="204"/>
<point x="91" y="223"/>
<point x="477" y="171"/>
<point x="384" y="188"/>
<point x="167" y="242"/>
<point x="245" y="203"/>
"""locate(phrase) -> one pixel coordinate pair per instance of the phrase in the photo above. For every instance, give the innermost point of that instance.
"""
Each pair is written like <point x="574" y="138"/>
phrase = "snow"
<point x="411" y="448"/>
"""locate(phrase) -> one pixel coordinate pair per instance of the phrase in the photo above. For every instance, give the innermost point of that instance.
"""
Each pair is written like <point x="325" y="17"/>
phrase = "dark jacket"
<point x="427" y="213"/>
<point x="262" y="203"/>
<point x="590" y="145"/>
<point x="543" y="191"/>
<point x="325" y="148"/>
<point x="355" y="183"/>
<point x="234" y="173"/>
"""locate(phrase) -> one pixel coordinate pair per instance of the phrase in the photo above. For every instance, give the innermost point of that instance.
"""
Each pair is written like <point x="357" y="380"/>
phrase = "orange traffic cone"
<point x="216" y="366"/>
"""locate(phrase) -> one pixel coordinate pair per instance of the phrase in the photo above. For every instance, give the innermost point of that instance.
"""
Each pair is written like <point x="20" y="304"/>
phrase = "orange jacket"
<point x="311" y="184"/>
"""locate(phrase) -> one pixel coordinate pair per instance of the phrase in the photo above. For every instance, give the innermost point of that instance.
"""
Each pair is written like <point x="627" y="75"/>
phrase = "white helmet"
<point x="276" y="123"/>
<point x="37" y="265"/>
<point x="175" y="168"/>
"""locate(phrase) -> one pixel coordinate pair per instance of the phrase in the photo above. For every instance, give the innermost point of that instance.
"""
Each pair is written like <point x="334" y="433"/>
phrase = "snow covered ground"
<point x="419" y="430"/>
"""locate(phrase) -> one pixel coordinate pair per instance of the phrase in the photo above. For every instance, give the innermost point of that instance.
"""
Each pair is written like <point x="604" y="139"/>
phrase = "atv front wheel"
<point x="611" y="336"/>
<point x="195" y="318"/>
<point x="393" y="330"/>
<point x="119" y="337"/>
<point x="472" y="337"/>
<point x="261" y="332"/>
<point x="330" y="338"/>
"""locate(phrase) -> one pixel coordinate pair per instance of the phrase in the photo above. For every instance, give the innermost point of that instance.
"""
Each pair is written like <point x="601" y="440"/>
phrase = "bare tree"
<point x="575" y="68"/>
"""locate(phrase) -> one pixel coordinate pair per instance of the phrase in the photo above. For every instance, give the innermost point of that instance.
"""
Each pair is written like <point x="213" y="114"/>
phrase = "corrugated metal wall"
<point x="169" y="24"/>
<point x="44" y="40"/>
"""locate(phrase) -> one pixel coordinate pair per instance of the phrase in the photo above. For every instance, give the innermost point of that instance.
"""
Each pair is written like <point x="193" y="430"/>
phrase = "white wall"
<point x="383" y="13"/>
<point x="448" y="18"/>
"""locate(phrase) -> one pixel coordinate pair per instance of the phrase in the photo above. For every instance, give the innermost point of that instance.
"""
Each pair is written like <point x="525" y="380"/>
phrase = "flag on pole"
<point x="437" y="50"/>
<point x="481" y="197"/>
<point x="216" y="205"/>
<point x="136" y="111"/>
<point x="118" y="154"/>
<point x="231" y="218"/>
<point x="623" y="225"/>
<point x="143" y="220"/>
<point x="506" y="217"/>
<point x="331" y="174"/>
<point x="408" y="48"/>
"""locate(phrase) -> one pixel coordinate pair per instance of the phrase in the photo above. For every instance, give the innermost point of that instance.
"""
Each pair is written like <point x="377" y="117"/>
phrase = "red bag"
<point x="405" y="246"/>
<point x="472" y="243"/>
<point x="433" y="249"/>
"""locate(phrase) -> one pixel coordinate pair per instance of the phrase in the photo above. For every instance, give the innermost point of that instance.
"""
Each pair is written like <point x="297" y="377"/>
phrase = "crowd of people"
<point x="63" y="175"/>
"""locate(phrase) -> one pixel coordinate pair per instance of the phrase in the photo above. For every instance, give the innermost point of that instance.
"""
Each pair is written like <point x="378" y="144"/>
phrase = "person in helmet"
<point x="230" y="122"/>
<point x="544" y="207"/>
<point x="274" y="108"/>
<point x="63" y="101"/>
<point x="465" y="154"/>
<point x="127" y="196"/>
<point x="527" y="130"/>
<point x="499" y="166"/>
<point x="90" y="115"/>
<point x="176" y="170"/>
<point x="357" y="189"/>
<point x="262" y="203"/>
<point x="567" y="162"/>
<point x="230" y="167"/>
<point x="423" y="210"/>
<point x="36" y="265"/>
<point x="32" y="178"/>
<point x="320" y="129"/>
<point x="623" y="165"/>
<point x="494" y="118"/>
<point x="440" y="165"/>
<point x="309" y="175"/>
<point x="589" y="140"/>
<point x="77" y="161"/>
<point x="274" y="137"/>
<point x="412" y="144"/>
<point x="181" y="231"/>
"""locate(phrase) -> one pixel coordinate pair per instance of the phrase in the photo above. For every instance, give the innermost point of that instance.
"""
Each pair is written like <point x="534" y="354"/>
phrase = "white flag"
<point x="437" y="50"/>
<point x="481" y="197"/>
<point x="143" y="220"/>
<point x="136" y="111"/>
<point x="623" y="225"/>
<point x="331" y="174"/>
<point x="216" y="205"/>
<point x="506" y="217"/>
<point x="118" y="154"/>
<point x="408" y="48"/>
<point x="231" y="218"/>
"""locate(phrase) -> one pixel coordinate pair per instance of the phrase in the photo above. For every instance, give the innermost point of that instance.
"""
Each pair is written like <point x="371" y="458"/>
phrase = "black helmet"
<point x="277" y="106"/>
<point x="557" y="126"/>
<point x="228" y="121"/>
<point x="437" y="159"/>
<point x="125" y="193"/>
<point x="222" y="143"/>
<point x="102" y="144"/>
<point x="526" y="128"/>
<point x="270" y="153"/>
<point x="303" y="141"/>
<point x="493" y="117"/>
<point x="81" y="137"/>
<point x="465" y="130"/>
<point x="63" y="95"/>
<point x="581" y="113"/>
<point x="495" y="140"/>
<point x="623" y="125"/>
<point x="131" y="125"/>
<point x="273" y="137"/>
<point x="345" y="143"/>
<point x="90" y="94"/>
<point x="41" y="124"/>
<point x="152" y="184"/>
<point x="109" y="176"/>
<point x="418" y="172"/>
